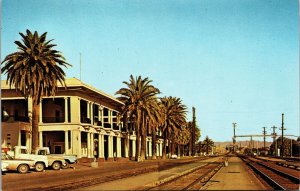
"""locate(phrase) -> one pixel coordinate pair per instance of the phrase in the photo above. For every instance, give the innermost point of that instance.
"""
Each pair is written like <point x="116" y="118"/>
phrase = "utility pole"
<point x="194" y="132"/>
<point x="282" y="129"/>
<point x="264" y="132"/>
<point x="233" y="140"/>
<point x="274" y="139"/>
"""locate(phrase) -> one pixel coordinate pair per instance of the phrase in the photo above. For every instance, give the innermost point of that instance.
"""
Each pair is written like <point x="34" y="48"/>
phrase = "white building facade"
<point x="79" y="120"/>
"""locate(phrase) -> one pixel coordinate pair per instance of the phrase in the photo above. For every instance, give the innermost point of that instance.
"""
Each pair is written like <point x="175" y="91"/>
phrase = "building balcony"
<point x="85" y="120"/>
<point x="53" y="119"/>
<point x="15" y="118"/>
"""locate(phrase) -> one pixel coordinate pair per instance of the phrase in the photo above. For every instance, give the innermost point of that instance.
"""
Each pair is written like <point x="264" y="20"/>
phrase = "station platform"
<point x="148" y="180"/>
<point x="234" y="177"/>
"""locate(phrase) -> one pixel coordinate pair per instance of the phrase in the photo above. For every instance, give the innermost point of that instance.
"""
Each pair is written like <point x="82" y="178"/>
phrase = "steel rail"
<point x="267" y="178"/>
<point x="217" y="168"/>
<point x="272" y="182"/>
<point x="289" y="176"/>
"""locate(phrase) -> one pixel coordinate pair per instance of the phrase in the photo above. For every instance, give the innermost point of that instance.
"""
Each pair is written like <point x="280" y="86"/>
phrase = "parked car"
<point x="4" y="166"/>
<point x="20" y="165"/>
<point x="174" y="156"/>
<point x="21" y="152"/>
<point x="69" y="159"/>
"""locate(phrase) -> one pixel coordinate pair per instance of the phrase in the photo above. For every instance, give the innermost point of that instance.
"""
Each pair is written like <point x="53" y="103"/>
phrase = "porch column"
<point x="92" y="114"/>
<point x="102" y="146"/>
<point x="66" y="142"/>
<point x="92" y="145"/>
<point x="41" y="112"/>
<point x="157" y="149"/>
<point x="126" y="146"/>
<point x="102" y="122"/>
<point x="119" y="147"/>
<point x="72" y="141"/>
<point x="160" y="149"/>
<point x="19" y="138"/>
<point x="110" y="118"/>
<point x="110" y="147"/>
<point x="133" y="148"/>
<point x="150" y="148"/>
<point x="66" y="109"/>
<point x="28" y="138"/>
<point x="40" y="138"/>
<point x="88" y="145"/>
<point x="99" y="146"/>
<point x="79" y="144"/>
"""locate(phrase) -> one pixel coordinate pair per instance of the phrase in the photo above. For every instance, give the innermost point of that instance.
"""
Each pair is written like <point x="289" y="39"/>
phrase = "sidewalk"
<point x="234" y="177"/>
<point x="147" y="180"/>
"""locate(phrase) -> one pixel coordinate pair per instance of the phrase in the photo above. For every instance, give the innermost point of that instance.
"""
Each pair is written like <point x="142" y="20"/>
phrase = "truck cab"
<point x="69" y="159"/>
<point x="21" y="152"/>
<point x="56" y="162"/>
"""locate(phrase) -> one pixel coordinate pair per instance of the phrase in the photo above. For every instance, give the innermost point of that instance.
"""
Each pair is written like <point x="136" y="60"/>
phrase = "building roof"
<point x="75" y="83"/>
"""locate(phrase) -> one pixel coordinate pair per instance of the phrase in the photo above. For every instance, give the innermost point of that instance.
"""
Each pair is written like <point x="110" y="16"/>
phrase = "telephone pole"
<point x="233" y="140"/>
<point x="264" y="132"/>
<point x="194" y="131"/>
<point x="274" y="139"/>
<point x="282" y="129"/>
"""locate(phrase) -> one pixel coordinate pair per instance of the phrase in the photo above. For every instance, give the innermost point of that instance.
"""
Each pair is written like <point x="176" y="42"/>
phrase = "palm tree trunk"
<point x="35" y="125"/>
<point x="138" y="142"/>
<point x="165" y="145"/>
<point x="153" y="144"/>
<point x="144" y="138"/>
<point x="172" y="144"/>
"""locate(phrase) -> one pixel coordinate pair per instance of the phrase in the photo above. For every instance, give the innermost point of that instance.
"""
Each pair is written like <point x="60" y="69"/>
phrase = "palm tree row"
<point x="35" y="69"/>
<point x="149" y="113"/>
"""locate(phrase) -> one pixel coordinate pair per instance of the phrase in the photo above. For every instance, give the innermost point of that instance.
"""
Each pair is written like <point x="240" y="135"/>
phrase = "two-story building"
<point x="79" y="120"/>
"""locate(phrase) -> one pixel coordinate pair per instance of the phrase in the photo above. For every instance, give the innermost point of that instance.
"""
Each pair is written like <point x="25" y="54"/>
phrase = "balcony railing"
<point x="53" y="119"/>
<point x="15" y="118"/>
<point x="107" y="125"/>
<point x="115" y="126"/>
<point x="85" y="120"/>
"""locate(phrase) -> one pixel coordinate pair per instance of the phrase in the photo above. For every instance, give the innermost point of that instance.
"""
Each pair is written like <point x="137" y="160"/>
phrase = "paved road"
<point x="234" y="177"/>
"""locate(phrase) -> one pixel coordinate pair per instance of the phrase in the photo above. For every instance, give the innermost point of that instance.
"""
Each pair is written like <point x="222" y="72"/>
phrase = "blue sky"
<point x="235" y="61"/>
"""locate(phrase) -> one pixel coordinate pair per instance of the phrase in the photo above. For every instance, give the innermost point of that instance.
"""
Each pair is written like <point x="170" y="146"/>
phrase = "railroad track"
<point x="279" y="179"/>
<point x="192" y="180"/>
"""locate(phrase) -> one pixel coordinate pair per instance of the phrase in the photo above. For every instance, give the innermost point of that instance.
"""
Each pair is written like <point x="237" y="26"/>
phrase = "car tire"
<point x="66" y="165"/>
<point x="56" y="165"/>
<point x="39" y="167"/>
<point x="23" y="168"/>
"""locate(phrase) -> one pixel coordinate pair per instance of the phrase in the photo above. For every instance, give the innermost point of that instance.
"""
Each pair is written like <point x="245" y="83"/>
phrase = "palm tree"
<point x="208" y="144"/>
<point x="174" y="118"/>
<point x="137" y="97"/>
<point x="34" y="71"/>
<point x="155" y="122"/>
<point x="182" y="138"/>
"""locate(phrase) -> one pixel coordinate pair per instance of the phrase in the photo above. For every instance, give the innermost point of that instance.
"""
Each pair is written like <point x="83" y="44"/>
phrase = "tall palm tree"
<point x="34" y="70"/>
<point x="174" y="118"/>
<point x="136" y="97"/>
<point x="155" y="122"/>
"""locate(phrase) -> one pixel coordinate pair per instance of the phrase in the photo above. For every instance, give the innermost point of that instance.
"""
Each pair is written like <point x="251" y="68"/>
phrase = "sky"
<point x="234" y="61"/>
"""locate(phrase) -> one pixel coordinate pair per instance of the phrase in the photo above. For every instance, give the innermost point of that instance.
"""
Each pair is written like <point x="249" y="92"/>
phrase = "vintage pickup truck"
<point x="20" y="165"/>
<point x="21" y="152"/>
<point x="69" y="159"/>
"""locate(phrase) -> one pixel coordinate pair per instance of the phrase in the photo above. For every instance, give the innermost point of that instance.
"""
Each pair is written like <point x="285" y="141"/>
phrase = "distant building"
<point x="79" y="120"/>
